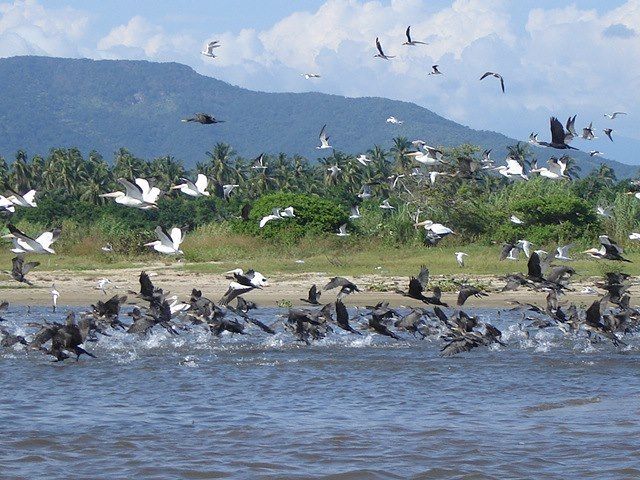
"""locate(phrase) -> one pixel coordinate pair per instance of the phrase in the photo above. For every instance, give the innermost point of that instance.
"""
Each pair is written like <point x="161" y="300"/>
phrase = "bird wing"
<point x="486" y="75"/>
<point x="533" y="266"/>
<point x="322" y="134"/>
<point x="29" y="196"/>
<point x="336" y="282"/>
<point x="342" y="315"/>
<point x="131" y="190"/>
<point x="164" y="237"/>
<point x="423" y="276"/>
<point x="201" y="182"/>
<point x="557" y="131"/>
<point x="144" y="185"/>
<point x="506" y="249"/>
<point x="501" y="82"/>
<point x="408" y="33"/>
<point x="415" y="287"/>
<point x="379" y="47"/>
<point x="146" y="287"/>
<point x="47" y="238"/>
<point x="27" y="267"/>
<point x="176" y="237"/>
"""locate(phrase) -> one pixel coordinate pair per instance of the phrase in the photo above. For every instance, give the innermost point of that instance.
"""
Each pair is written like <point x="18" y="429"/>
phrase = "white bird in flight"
<point x="342" y="231"/>
<point x="208" y="49"/>
<point x="25" y="244"/>
<point x="516" y="220"/>
<point x="355" y="213"/>
<point x="394" y="120"/>
<point x="380" y="53"/>
<point x="310" y="75"/>
<point x="410" y="42"/>
<point x="634" y="236"/>
<point x="363" y="159"/>
<point x="429" y="155"/>
<point x="563" y="253"/>
<point x="168" y="242"/>
<point x="386" y="205"/>
<point x="26" y="200"/>
<point x="194" y="189"/>
<point x="324" y="139"/>
<point x="613" y="115"/>
<point x="138" y="195"/>
<point x="7" y="204"/>
<point x="525" y="246"/>
<point x="605" y="212"/>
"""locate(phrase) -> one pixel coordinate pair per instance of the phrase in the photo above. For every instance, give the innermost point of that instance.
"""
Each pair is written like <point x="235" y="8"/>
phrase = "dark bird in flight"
<point x="342" y="318"/>
<point x="347" y="287"/>
<point x="608" y="132"/>
<point x="380" y="53"/>
<point x="434" y="70"/>
<point x="314" y="296"/>
<point x="558" y="136"/>
<point x="203" y="118"/>
<point x="19" y="269"/>
<point x="496" y="75"/>
<point x="412" y="42"/>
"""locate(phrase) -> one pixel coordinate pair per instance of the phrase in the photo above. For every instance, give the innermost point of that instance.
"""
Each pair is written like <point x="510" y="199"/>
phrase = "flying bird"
<point x="558" y="136"/>
<point x="516" y="220"/>
<point x="614" y="114"/>
<point x="208" y="49"/>
<point x="608" y="132"/>
<point x="23" y="243"/>
<point x="307" y="76"/>
<point x="324" y="139"/>
<point x="203" y="118"/>
<point x="19" y="269"/>
<point x="342" y="231"/>
<point x="26" y="200"/>
<point x="355" y="213"/>
<point x="168" y="242"/>
<point x="194" y="189"/>
<point x="434" y="70"/>
<point x="380" y="53"/>
<point x="496" y="75"/>
<point x="411" y="42"/>
<point x="394" y="120"/>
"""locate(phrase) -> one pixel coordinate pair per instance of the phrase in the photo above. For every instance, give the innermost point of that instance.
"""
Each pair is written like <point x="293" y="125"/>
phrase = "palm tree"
<point x="21" y="176"/>
<point x="220" y="160"/>
<point x="521" y="152"/>
<point x="167" y="171"/>
<point x="128" y="166"/>
<point x="401" y="146"/>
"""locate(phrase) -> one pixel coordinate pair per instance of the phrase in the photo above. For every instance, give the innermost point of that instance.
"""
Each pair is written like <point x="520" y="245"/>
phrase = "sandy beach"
<point x="79" y="288"/>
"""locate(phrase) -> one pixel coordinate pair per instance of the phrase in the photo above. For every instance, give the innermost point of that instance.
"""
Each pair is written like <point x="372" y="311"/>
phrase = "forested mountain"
<point x="104" y="105"/>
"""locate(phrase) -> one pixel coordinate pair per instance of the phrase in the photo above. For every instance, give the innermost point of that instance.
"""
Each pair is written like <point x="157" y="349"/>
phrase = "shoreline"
<point x="78" y="288"/>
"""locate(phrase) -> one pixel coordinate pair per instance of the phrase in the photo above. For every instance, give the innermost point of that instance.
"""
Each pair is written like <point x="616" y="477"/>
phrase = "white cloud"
<point x="26" y="27"/>
<point x="141" y="39"/>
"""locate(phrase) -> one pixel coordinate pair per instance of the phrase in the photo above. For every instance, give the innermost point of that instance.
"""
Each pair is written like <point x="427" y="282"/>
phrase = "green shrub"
<point x="313" y="216"/>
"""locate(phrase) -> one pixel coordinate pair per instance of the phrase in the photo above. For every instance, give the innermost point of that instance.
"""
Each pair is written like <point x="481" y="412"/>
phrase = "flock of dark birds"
<point x="458" y="330"/>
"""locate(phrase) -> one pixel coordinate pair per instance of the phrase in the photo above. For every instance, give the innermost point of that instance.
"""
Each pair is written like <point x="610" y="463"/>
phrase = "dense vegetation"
<point x="104" y="105"/>
<point x="477" y="208"/>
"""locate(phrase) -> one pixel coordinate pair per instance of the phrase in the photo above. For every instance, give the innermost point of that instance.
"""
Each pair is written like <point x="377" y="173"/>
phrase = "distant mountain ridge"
<point x="104" y="105"/>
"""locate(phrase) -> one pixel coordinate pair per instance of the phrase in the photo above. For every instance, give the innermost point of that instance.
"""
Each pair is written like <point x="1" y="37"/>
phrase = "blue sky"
<point x="558" y="57"/>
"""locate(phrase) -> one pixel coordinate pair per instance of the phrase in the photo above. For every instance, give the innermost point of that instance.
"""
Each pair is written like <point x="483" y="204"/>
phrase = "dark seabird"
<point x="203" y="118"/>
<point x="342" y="318"/>
<point x="314" y="296"/>
<point x="19" y="269"/>
<point x="608" y="132"/>
<point x="346" y="287"/>
<point x="558" y="136"/>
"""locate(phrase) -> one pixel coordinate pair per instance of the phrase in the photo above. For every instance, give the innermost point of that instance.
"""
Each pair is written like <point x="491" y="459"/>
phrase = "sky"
<point x="557" y="57"/>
